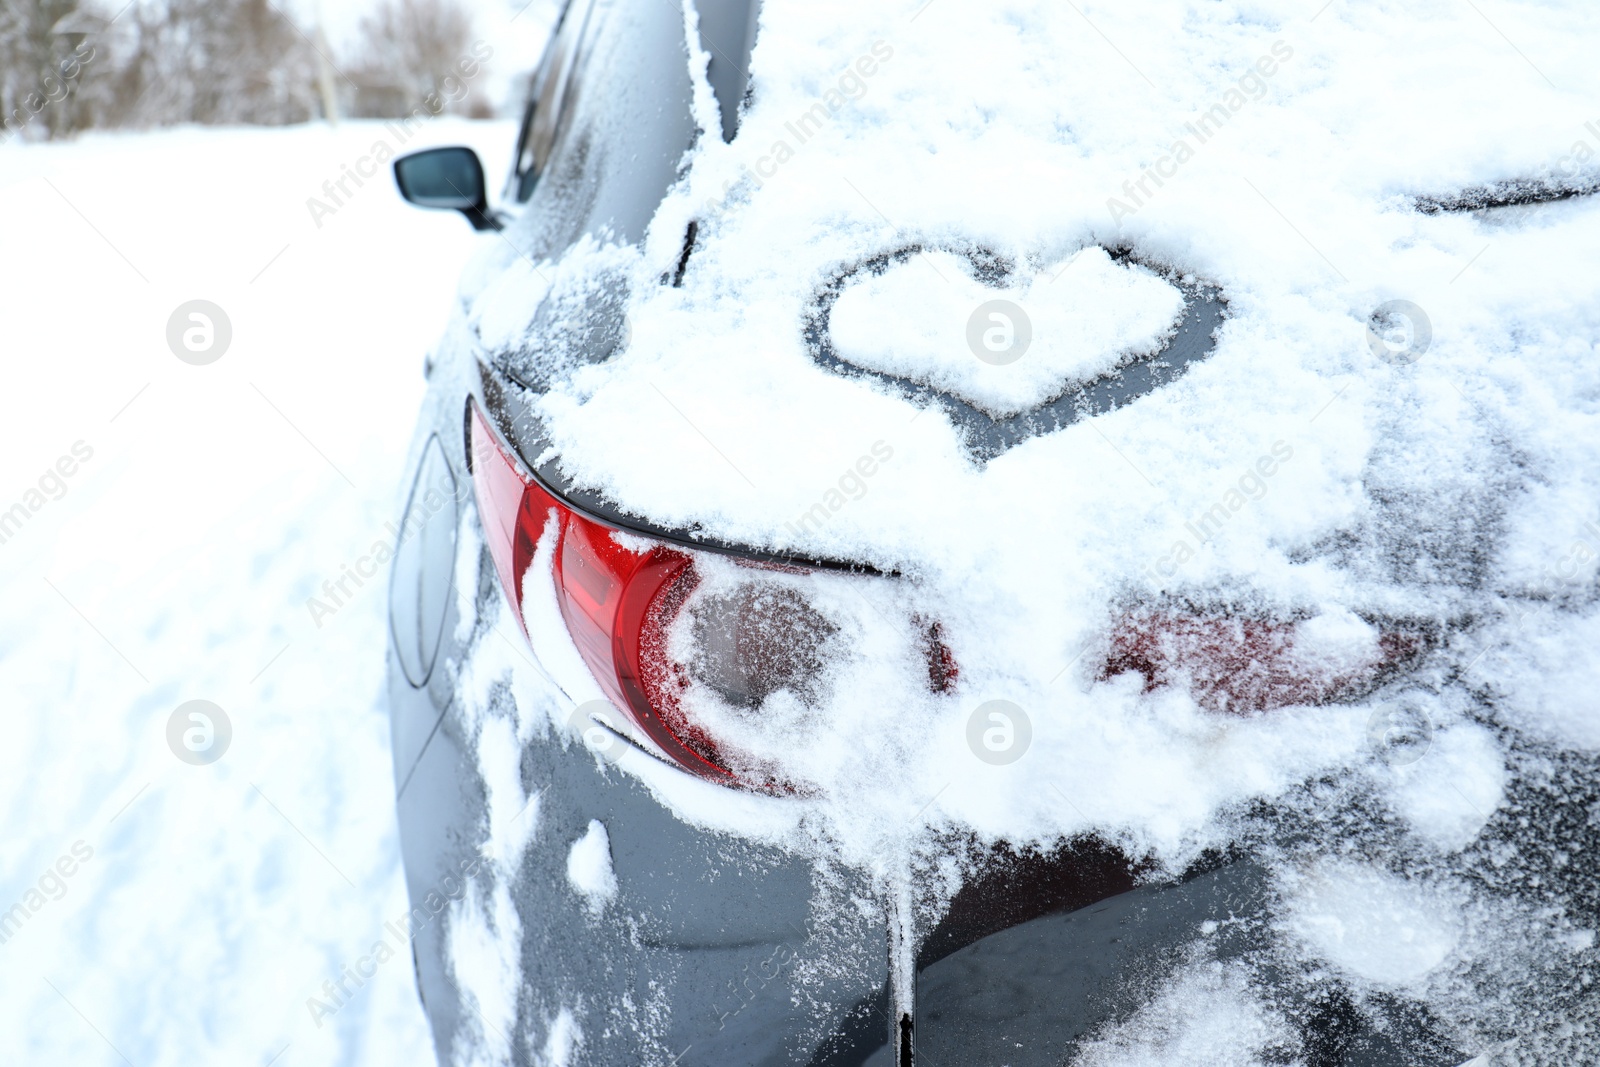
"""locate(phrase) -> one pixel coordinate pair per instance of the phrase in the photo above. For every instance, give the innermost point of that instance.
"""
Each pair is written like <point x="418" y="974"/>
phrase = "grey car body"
<point x="721" y="958"/>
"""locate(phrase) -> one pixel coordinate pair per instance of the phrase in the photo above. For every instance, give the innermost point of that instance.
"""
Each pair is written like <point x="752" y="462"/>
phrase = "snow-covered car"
<point x="1014" y="534"/>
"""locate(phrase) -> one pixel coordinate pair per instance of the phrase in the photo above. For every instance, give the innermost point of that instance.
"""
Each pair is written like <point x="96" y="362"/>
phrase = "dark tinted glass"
<point x="441" y="178"/>
<point x="618" y="131"/>
<point x="727" y="33"/>
<point x="547" y="95"/>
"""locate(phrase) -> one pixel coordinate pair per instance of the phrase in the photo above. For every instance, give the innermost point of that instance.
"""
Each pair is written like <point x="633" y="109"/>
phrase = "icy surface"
<point x="1387" y="930"/>
<point x="1207" y="1015"/>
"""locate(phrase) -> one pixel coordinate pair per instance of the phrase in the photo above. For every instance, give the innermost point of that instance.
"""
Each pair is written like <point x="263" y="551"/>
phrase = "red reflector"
<point x="617" y="601"/>
<point x="1241" y="664"/>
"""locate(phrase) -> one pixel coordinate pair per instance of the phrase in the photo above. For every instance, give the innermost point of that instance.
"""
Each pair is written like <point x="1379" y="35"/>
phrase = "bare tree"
<point x="216" y="61"/>
<point x="67" y="64"/>
<point x="411" y="52"/>
<point x="41" y="64"/>
<point x="65" y="67"/>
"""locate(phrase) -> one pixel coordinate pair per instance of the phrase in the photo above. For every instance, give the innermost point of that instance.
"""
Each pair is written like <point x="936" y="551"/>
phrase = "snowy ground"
<point x="198" y="908"/>
<point x="174" y="564"/>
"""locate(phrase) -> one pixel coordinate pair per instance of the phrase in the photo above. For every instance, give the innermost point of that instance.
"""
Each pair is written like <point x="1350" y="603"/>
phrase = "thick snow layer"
<point x="484" y="951"/>
<point x="589" y="867"/>
<point x="564" y="1040"/>
<point x="1301" y="473"/>
<point x="176" y="564"/>
<point x="1314" y="472"/>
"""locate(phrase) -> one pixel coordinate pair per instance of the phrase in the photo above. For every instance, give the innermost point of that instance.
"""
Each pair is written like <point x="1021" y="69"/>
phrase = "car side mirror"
<point x="449" y="179"/>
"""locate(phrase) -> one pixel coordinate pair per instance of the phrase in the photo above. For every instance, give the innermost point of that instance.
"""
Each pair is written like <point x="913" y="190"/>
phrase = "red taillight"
<point x="617" y="601"/>
<point x="1242" y="664"/>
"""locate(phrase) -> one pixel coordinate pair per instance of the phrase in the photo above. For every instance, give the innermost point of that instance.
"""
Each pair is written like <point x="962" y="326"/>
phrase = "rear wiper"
<point x="1511" y="193"/>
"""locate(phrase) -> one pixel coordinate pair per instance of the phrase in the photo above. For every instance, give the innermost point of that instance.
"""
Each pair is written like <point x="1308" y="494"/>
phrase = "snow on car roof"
<point x="1292" y="147"/>
<point x="1397" y="420"/>
<point x="1276" y="157"/>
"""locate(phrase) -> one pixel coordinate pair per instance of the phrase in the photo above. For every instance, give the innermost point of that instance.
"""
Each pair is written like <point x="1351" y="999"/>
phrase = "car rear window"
<point x="616" y="125"/>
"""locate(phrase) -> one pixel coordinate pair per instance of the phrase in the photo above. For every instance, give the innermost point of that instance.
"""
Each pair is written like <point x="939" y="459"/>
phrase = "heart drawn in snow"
<point x="1008" y="353"/>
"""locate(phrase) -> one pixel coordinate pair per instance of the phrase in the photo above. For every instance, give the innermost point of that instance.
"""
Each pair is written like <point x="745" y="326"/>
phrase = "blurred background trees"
<point x="207" y="61"/>
<point x="69" y="65"/>
<point x="35" y="54"/>
<point x="408" y="49"/>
